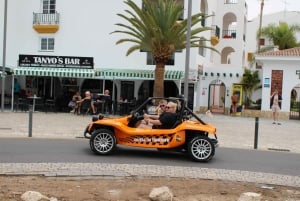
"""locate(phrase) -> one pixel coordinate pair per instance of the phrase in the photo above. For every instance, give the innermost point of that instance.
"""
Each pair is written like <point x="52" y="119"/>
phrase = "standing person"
<point x="107" y="101"/>
<point x="234" y="101"/>
<point x="275" y="104"/>
<point x="17" y="89"/>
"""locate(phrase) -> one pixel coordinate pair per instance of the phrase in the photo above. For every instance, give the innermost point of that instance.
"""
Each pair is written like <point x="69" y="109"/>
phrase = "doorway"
<point x="216" y="97"/>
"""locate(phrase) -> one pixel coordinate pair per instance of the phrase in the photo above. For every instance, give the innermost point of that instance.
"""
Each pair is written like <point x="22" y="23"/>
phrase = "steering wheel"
<point x="134" y="119"/>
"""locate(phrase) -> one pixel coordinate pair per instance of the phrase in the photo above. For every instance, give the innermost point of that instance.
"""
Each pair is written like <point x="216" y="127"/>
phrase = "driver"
<point x="165" y="121"/>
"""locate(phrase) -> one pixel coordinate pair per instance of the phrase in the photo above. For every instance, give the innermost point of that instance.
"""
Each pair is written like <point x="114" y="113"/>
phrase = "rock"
<point x="161" y="194"/>
<point x="250" y="196"/>
<point x="35" y="196"/>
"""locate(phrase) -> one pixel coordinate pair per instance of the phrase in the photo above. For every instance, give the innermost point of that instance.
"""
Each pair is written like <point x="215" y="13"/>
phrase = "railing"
<point x="231" y="1"/>
<point x="49" y="18"/>
<point x="229" y="34"/>
<point x="294" y="110"/>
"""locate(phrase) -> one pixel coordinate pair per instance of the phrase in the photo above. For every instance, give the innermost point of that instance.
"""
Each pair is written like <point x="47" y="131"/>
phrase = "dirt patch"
<point x="136" y="189"/>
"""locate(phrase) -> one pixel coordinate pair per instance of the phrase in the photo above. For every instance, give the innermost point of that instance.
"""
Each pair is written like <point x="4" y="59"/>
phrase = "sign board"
<point x="26" y="60"/>
<point x="193" y="75"/>
<point x="267" y="82"/>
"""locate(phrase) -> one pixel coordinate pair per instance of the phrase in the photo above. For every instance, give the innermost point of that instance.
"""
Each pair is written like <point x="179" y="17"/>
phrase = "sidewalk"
<point x="234" y="132"/>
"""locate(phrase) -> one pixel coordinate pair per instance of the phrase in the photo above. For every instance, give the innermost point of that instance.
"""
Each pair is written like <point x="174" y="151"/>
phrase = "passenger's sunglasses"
<point x="167" y="107"/>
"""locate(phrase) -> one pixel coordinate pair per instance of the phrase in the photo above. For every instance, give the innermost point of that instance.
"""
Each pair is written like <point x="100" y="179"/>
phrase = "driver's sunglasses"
<point x="162" y="106"/>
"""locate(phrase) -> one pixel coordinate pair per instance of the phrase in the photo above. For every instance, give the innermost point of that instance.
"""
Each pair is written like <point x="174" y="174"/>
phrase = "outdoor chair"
<point x="50" y="105"/>
<point x="21" y="104"/>
<point x="85" y="107"/>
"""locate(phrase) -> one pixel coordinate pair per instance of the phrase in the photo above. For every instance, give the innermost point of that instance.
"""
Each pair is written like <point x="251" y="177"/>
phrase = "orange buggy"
<point x="189" y="135"/>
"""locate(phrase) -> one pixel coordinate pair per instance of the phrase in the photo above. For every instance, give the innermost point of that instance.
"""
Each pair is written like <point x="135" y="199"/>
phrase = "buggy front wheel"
<point x="103" y="141"/>
<point x="201" y="149"/>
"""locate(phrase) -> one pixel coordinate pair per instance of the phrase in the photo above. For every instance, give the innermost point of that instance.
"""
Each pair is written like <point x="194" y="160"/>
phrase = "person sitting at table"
<point x="88" y="98"/>
<point x="73" y="103"/>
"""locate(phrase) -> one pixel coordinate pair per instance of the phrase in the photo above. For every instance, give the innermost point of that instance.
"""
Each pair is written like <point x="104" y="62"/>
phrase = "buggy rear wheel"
<point x="201" y="149"/>
<point x="103" y="141"/>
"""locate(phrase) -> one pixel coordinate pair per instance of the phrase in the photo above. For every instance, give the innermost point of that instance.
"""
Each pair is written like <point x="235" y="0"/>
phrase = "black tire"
<point x="103" y="142"/>
<point x="201" y="149"/>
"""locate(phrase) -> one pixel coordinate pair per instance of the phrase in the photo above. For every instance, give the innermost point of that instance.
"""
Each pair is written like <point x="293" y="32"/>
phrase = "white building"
<point x="50" y="30"/>
<point x="290" y="17"/>
<point x="282" y="64"/>
<point x="281" y="70"/>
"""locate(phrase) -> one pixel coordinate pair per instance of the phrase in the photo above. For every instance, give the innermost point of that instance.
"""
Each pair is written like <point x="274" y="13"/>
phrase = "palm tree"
<point x="155" y="28"/>
<point x="250" y="82"/>
<point x="283" y="35"/>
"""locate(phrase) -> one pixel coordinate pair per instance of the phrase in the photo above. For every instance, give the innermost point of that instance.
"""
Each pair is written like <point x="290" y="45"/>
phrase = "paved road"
<point x="18" y="150"/>
<point x="233" y="132"/>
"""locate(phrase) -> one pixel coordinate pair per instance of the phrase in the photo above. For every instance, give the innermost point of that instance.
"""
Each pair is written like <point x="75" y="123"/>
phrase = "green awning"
<point x="135" y="74"/>
<point x="55" y="72"/>
<point x="8" y="71"/>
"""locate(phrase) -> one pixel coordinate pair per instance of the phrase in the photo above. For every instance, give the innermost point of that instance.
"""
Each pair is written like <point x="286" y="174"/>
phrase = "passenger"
<point x="158" y="110"/>
<point x="166" y="120"/>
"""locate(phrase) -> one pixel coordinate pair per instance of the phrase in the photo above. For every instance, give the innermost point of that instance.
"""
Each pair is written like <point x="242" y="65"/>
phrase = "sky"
<point x="271" y="6"/>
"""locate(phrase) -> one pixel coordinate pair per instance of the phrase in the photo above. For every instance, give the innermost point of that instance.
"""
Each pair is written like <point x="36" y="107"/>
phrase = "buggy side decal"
<point x="162" y="139"/>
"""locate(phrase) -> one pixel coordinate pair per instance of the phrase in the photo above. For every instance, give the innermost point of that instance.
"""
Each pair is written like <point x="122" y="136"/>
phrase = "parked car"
<point x="189" y="135"/>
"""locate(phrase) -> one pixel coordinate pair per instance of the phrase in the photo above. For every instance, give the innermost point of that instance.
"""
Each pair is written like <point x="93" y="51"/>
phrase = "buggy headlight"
<point x="97" y="117"/>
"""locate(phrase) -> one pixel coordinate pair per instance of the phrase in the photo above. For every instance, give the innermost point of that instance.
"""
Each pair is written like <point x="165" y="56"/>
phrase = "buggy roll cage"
<point x="184" y="110"/>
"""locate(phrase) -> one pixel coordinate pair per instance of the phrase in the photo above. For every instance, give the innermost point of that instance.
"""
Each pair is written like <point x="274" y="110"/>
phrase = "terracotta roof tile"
<point x="285" y="53"/>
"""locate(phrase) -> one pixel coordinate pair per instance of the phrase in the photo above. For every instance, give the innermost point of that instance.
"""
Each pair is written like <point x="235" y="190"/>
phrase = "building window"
<point x="47" y="44"/>
<point x="49" y="6"/>
<point x="150" y="59"/>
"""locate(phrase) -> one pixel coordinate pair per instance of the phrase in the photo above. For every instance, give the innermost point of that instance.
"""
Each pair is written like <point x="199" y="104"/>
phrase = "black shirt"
<point x="167" y="120"/>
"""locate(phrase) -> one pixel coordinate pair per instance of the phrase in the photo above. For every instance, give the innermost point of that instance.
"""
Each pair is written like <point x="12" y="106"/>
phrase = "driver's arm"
<point x="151" y="116"/>
<point x="153" y="122"/>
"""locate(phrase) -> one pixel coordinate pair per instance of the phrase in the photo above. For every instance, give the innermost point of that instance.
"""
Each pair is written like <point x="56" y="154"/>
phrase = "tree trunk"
<point x="158" y="88"/>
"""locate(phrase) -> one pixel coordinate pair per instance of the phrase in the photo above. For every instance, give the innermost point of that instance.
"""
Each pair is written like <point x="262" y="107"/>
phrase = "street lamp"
<point x="4" y="56"/>
<point x="260" y="24"/>
<point x="188" y="47"/>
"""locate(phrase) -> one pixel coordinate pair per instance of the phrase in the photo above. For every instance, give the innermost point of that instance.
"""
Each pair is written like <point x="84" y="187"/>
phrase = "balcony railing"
<point x="45" y="19"/>
<point x="229" y="34"/>
<point x="231" y="1"/>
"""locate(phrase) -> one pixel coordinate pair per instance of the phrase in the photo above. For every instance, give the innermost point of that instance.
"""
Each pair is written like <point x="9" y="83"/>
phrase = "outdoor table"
<point x="100" y="105"/>
<point x="33" y="98"/>
<point x="124" y="107"/>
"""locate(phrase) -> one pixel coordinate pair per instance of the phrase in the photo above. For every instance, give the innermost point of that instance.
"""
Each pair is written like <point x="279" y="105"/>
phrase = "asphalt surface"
<point x="232" y="132"/>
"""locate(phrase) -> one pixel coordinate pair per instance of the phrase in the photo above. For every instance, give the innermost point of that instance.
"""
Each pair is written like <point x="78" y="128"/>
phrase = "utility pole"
<point x="260" y="24"/>
<point x="188" y="47"/>
<point x="4" y="57"/>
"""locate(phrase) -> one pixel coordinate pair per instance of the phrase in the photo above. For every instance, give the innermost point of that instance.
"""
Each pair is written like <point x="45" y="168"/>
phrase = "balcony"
<point x="46" y="22"/>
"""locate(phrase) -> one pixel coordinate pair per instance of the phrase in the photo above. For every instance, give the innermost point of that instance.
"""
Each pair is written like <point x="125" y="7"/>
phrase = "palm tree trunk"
<point x="158" y="88"/>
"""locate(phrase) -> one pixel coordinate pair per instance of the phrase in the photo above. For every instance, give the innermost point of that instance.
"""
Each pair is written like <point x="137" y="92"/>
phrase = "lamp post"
<point x="4" y="56"/>
<point x="260" y="24"/>
<point x="188" y="47"/>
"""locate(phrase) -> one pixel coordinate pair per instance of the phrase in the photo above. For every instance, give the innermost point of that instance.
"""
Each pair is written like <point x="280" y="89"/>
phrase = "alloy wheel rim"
<point x="201" y="149"/>
<point x="103" y="142"/>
